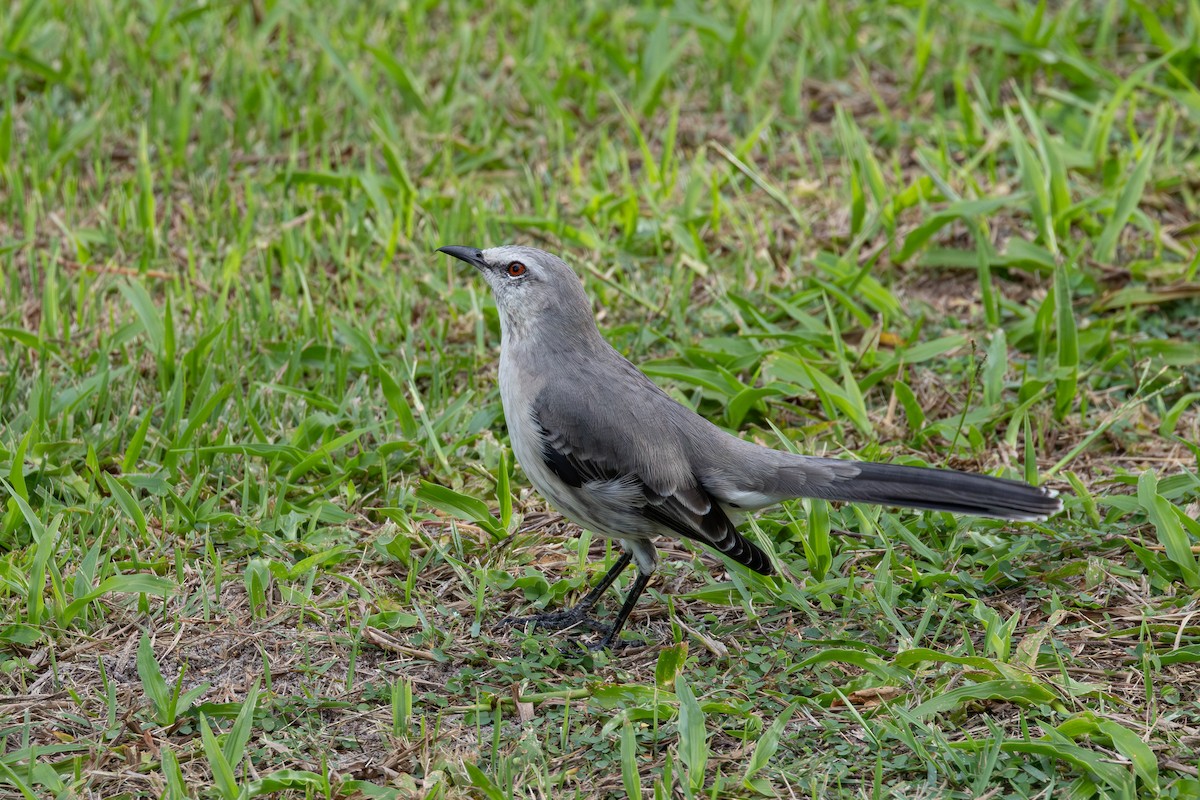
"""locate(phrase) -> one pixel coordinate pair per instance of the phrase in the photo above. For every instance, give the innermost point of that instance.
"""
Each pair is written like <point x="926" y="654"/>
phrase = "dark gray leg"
<point x="578" y="615"/>
<point x="635" y="591"/>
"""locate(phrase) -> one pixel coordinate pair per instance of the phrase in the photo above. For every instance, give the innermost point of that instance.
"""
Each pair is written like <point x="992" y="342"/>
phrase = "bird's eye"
<point x="515" y="269"/>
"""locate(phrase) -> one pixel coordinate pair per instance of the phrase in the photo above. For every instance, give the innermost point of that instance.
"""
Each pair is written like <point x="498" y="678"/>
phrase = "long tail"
<point x="941" y="490"/>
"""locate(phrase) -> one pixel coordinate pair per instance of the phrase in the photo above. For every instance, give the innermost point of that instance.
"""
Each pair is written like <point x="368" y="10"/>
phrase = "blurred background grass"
<point x="249" y="429"/>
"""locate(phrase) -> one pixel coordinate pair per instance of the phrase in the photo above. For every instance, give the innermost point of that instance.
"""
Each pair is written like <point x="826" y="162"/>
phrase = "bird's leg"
<point x="578" y="614"/>
<point x="635" y="591"/>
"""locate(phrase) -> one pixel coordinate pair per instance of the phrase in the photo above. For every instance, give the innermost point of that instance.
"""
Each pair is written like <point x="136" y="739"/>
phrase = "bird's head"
<point x="533" y="289"/>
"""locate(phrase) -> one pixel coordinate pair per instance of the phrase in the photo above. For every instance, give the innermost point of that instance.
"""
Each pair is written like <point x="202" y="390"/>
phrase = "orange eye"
<point x="515" y="269"/>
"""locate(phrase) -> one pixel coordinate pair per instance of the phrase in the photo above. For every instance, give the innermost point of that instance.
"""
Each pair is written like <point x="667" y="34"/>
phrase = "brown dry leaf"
<point x="524" y="710"/>
<point x="1031" y="644"/>
<point x="872" y="697"/>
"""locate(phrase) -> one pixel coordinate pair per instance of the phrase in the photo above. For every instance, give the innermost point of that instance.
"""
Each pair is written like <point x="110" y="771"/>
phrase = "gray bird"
<point x="615" y="454"/>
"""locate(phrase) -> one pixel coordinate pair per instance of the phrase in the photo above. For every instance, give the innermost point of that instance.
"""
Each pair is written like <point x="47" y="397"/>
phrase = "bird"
<point x="617" y="455"/>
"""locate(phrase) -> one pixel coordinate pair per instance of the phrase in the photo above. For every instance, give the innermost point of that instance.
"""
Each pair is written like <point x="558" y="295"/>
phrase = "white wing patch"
<point x="747" y="500"/>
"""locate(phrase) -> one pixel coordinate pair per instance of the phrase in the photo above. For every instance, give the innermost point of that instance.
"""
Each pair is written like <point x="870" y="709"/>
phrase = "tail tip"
<point x="1051" y="508"/>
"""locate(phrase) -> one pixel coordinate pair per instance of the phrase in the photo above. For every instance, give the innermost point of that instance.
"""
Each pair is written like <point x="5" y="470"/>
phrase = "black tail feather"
<point x="944" y="490"/>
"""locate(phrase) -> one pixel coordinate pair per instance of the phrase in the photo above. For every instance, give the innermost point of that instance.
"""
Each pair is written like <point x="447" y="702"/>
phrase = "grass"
<point x="259" y="513"/>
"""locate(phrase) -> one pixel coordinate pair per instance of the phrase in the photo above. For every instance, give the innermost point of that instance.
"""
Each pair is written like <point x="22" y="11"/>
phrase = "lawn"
<point x="259" y="514"/>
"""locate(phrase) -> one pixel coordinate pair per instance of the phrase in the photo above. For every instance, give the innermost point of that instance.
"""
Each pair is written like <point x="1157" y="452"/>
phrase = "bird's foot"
<point x="581" y="645"/>
<point x="606" y="642"/>
<point x="555" y="621"/>
<point x="573" y="621"/>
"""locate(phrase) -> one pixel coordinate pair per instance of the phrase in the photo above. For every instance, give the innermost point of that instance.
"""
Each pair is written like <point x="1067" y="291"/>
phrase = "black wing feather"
<point x="713" y="528"/>
<point x="571" y="469"/>
<point x="690" y="512"/>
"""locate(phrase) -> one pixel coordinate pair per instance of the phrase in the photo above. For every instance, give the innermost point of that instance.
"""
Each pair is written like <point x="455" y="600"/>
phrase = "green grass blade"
<point x="222" y="770"/>
<point x="153" y="684"/>
<point x="1168" y="529"/>
<point x="239" y="732"/>
<point x="1131" y="194"/>
<point x="1067" y="343"/>
<point x="629" y="771"/>
<point x="693" y="735"/>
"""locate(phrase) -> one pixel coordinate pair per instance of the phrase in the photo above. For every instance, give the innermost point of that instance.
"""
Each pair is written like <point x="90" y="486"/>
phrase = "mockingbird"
<point x="615" y="454"/>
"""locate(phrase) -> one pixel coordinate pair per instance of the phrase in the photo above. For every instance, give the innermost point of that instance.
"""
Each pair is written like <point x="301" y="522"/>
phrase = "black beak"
<point x="471" y="255"/>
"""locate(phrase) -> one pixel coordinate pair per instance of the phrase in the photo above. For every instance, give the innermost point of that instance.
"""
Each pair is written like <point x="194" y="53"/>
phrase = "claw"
<point x="557" y="621"/>
<point x="569" y="621"/>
